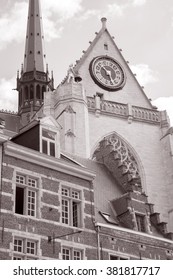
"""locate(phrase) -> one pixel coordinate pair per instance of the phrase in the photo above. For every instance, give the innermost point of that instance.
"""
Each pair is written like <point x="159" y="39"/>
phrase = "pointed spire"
<point x="34" y="49"/>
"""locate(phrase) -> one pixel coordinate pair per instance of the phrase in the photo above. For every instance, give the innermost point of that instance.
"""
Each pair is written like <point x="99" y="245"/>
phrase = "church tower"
<point x="34" y="79"/>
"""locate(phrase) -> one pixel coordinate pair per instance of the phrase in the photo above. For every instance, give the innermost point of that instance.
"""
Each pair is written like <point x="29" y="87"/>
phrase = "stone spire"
<point x="34" y="49"/>
<point x="34" y="80"/>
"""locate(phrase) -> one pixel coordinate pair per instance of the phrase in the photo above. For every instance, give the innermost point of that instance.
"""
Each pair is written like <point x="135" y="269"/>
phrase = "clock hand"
<point x="108" y="73"/>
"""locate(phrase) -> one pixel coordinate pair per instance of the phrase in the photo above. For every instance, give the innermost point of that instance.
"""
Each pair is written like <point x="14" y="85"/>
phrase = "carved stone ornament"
<point x="124" y="155"/>
<point x="118" y="158"/>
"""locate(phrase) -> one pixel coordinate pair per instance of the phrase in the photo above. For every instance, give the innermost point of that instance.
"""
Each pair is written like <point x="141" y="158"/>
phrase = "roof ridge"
<point x="8" y="112"/>
<point x="78" y="61"/>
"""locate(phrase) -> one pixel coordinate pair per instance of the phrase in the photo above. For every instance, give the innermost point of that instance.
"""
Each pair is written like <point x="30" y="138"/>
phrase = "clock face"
<point x="107" y="73"/>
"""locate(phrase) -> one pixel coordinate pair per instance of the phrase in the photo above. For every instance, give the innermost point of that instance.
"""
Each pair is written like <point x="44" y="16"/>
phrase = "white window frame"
<point x="72" y="253"/>
<point x="29" y="184"/>
<point x="143" y="219"/>
<point x="70" y="198"/>
<point x="25" y="253"/>
<point x="48" y="141"/>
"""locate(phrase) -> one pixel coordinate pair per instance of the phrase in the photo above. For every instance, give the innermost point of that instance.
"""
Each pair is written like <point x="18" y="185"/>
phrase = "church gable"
<point x="130" y="91"/>
<point x="50" y="122"/>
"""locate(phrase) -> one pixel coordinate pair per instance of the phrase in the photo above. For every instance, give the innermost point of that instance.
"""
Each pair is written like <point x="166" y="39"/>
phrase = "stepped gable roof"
<point x="103" y="211"/>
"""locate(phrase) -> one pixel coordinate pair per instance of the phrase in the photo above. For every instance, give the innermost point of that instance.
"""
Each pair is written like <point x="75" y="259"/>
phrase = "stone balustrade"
<point x="123" y="110"/>
<point x="115" y="108"/>
<point x="145" y="114"/>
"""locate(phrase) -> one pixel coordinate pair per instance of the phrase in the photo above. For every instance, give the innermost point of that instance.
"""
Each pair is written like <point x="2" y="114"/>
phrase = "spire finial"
<point x="21" y="72"/>
<point x="103" y="20"/>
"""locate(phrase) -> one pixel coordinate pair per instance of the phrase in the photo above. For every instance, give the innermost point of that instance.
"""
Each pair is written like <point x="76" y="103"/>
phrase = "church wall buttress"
<point x="72" y="113"/>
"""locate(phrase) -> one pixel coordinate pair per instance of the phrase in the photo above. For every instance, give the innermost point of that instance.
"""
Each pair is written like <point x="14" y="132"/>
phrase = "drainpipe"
<point x="98" y="241"/>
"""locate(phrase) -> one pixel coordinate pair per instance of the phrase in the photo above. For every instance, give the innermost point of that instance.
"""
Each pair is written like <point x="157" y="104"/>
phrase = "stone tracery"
<point x="124" y="154"/>
<point x="118" y="158"/>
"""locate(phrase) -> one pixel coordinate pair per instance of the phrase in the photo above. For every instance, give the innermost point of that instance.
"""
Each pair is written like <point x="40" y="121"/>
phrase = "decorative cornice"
<point x="26" y="154"/>
<point x="118" y="228"/>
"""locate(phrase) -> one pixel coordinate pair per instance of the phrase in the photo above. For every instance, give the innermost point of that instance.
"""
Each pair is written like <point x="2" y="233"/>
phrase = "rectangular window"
<point x="77" y="255"/>
<point x="113" y="257"/>
<point x="31" y="202"/>
<point x="65" y="211"/>
<point x="140" y="220"/>
<point x="17" y="258"/>
<point x="26" y="195"/>
<point x="71" y="207"/>
<point x="66" y="254"/>
<point x="20" y="179"/>
<point x="18" y="245"/>
<point x="106" y="46"/>
<point x="31" y="247"/>
<point x="19" y="201"/>
<point x="71" y="254"/>
<point x="44" y="146"/>
<point x="32" y="182"/>
<point x="75" y="213"/>
<point x="48" y="142"/>
<point x="65" y="192"/>
<point x="24" y="249"/>
<point x="52" y="149"/>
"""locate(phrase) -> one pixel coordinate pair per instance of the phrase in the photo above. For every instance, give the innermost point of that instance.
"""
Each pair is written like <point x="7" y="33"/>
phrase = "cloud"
<point x="51" y="30"/>
<point x="115" y="10"/>
<point x="13" y="24"/>
<point x="112" y="10"/>
<point x="89" y="13"/>
<point x="144" y="74"/>
<point x="55" y="14"/>
<point x="139" y="2"/>
<point x="63" y="9"/>
<point x="165" y="103"/>
<point x="8" y="97"/>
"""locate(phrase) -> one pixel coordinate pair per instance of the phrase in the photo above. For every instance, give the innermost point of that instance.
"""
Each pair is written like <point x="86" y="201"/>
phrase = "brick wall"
<point x="48" y="219"/>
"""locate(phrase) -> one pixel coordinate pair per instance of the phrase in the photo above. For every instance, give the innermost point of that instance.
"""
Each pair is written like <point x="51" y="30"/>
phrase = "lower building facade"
<point x="48" y="211"/>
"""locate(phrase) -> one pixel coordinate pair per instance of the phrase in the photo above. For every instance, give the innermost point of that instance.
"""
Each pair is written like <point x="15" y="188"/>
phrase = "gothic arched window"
<point x="26" y="96"/>
<point x="38" y="91"/>
<point x="43" y="90"/>
<point x="31" y="92"/>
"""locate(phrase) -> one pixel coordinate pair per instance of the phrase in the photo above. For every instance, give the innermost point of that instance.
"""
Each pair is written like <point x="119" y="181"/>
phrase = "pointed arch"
<point x="31" y="92"/>
<point x="38" y="92"/>
<point x="121" y="160"/>
<point x="26" y="93"/>
<point x="43" y="90"/>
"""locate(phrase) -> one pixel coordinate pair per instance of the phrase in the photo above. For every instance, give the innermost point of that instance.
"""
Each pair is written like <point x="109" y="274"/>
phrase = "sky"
<point x="143" y="29"/>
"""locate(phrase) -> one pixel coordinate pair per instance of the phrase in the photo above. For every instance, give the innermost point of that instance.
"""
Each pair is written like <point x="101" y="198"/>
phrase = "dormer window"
<point x="48" y="142"/>
<point x="140" y="220"/>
